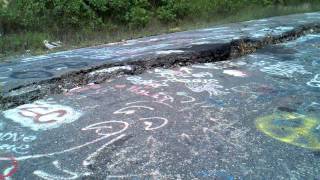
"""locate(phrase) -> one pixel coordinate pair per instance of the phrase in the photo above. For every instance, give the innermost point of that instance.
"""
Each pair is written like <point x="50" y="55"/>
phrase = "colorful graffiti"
<point x="195" y="81"/>
<point x="166" y="117"/>
<point x="42" y="115"/>
<point x="292" y="128"/>
<point x="145" y="91"/>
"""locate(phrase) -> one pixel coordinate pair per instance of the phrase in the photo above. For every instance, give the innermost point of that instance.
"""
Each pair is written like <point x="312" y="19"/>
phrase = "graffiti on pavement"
<point x="315" y="82"/>
<point x="292" y="128"/>
<point x="42" y="115"/>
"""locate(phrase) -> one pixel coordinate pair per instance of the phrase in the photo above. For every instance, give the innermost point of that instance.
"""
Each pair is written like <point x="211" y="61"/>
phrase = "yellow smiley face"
<point x="292" y="128"/>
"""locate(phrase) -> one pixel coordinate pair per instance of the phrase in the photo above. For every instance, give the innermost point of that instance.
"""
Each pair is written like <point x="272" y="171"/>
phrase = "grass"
<point x="31" y="43"/>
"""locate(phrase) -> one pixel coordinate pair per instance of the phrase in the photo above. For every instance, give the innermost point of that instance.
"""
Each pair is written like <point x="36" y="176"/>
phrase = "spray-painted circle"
<point x="292" y="128"/>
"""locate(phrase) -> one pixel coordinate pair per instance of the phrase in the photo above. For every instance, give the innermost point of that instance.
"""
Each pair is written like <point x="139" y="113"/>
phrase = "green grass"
<point x="31" y="43"/>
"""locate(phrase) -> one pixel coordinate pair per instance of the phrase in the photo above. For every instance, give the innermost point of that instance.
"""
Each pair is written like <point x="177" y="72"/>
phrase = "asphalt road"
<point x="27" y="70"/>
<point x="255" y="117"/>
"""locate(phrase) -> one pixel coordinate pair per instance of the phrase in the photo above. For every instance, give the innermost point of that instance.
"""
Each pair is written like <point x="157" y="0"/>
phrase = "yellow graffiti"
<point x="292" y="128"/>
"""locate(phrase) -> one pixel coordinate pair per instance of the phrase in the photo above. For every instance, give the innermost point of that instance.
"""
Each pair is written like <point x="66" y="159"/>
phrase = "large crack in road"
<point x="252" y="117"/>
<point x="33" y="78"/>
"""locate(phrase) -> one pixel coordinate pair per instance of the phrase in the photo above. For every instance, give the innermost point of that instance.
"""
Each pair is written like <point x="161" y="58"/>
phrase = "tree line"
<point x="65" y="15"/>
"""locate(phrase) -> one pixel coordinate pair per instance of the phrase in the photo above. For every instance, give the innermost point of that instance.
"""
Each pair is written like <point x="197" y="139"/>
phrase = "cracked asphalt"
<point x="23" y="71"/>
<point x="254" y="117"/>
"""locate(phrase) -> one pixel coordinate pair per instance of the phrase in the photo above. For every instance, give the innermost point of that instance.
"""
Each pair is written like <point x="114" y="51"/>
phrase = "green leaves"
<point x="138" y="17"/>
<point x="173" y="10"/>
<point x="64" y="15"/>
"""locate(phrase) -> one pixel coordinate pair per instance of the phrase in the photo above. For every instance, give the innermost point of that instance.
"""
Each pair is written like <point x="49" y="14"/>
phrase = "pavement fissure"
<point x="191" y="55"/>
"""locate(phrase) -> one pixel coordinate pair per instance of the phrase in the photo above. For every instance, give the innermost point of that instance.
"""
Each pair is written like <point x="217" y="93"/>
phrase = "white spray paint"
<point x="315" y="82"/>
<point x="21" y="158"/>
<point x="111" y="70"/>
<point x="285" y="69"/>
<point x="131" y="109"/>
<point x="148" y="122"/>
<point x="69" y="174"/>
<point x="235" y="73"/>
<point x="100" y="129"/>
<point x="213" y="87"/>
<point x="15" y="142"/>
<point x="152" y="83"/>
<point x="169" y="52"/>
<point x="42" y="115"/>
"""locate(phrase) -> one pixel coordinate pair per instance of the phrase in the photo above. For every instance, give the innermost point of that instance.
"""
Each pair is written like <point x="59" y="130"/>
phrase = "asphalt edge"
<point x="192" y="55"/>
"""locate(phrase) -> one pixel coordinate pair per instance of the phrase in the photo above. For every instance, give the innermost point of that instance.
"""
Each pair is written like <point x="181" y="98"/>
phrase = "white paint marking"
<point x="111" y="70"/>
<point x="149" y="124"/>
<point x="42" y="115"/>
<point x="21" y="158"/>
<point x="169" y="52"/>
<point x="315" y="82"/>
<point x="236" y="73"/>
<point x="72" y="175"/>
<point x="131" y="109"/>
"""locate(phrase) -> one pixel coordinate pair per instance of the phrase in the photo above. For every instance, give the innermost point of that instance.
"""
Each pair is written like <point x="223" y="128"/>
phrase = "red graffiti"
<point x="13" y="167"/>
<point x="144" y="91"/>
<point x="36" y="115"/>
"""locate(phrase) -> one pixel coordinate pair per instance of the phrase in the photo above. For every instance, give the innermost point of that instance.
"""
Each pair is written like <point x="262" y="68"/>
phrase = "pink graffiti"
<point x="144" y="91"/>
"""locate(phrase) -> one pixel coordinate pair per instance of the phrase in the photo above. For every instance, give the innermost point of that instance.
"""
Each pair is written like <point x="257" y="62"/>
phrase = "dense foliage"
<point x="61" y="15"/>
<point x="24" y="24"/>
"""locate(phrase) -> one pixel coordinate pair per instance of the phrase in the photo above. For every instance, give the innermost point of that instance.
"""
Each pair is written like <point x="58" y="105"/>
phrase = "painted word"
<point x="152" y="83"/>
<point x="42" y="115"/>
<point x="160" y="96"/>
<point x="315" y="82"/>
<point x="15" y="143"/>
